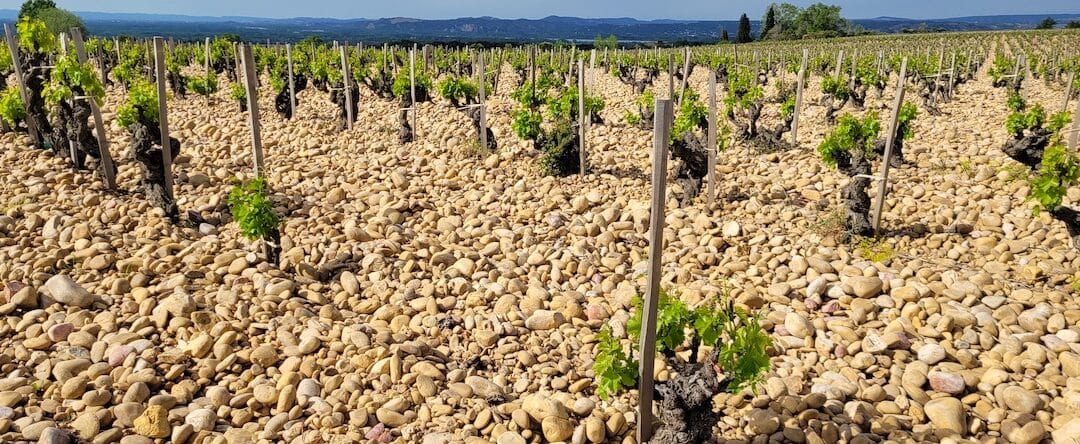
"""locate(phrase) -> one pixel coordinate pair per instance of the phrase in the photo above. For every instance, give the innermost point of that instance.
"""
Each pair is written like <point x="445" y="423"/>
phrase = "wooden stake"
<point x="671" y="76"/>
<point x="952" y="76"/>
<point x="798" y="99"/>
<point x="483" y="109"/>
<point x="412" y="88"/>
<point x="347" y="85"/>
<point x="582" y="121"/>
<point x="99" y="125"/>
<point x="253" y="107"/>
<point x="292" y="81"/>
<point x="661" y="128"/>
<point x="712" y="138"/>
<point x="207" y="57"/>
<point x="839" y="63"/>
<point x="163" y="114"/>
<point x="890" y="137"/>
<point x="1075" y="127"/>
<point x="1068" y="94"/>
<point x="24" y="94"/>
<point x="686" y="72"/>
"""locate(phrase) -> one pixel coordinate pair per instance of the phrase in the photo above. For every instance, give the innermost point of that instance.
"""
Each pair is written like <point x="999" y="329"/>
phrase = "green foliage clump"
<point x="69" y="76"/>
<point x="141" y="104"/>
<point x="1019" y="121"/>
<point x="252" y="210"/>
<point x="908" y="113"/>
<point x="742" y="342"/>
<point x="35" y="37"/>
<point x="526" y="124"/>
<point x="613" y="368"/>
<point x="565" y="104"/>
<point x="1059" y="170"/>
<point x="743" y="91"/>
<point x="849" y="135"/>
<point x="402" y="85"/>
<point x="458" y="90"/>
<point x="1015" y="102"/>
<point x="11" y="106"/>
<point x="692" y="114"/>
<point x="559" y="146"/>
<point x="527" y="97"/>
<point x="237" y="92"/>
<point x="203" y="85"/>
<point x="787" y="109"/>
<point x="835" y="86"/>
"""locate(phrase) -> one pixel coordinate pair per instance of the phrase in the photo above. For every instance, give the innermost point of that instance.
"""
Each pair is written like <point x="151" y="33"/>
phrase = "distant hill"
<point x="488" y="29"/>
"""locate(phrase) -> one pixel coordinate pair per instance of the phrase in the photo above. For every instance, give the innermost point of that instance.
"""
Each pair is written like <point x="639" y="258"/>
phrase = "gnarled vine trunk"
<point x="146" y="149"/>
<point x="35" y="79"/>
<point x="692" y="155"/>
<point x="474" y="115"/>
<point x="855" y="199"/>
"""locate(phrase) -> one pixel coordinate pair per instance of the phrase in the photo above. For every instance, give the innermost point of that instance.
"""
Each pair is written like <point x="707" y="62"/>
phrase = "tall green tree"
<point x="61" y="20"/>
<point x="724" y="38"/>
<point x="1047" y="23"/>
<point x="743" y="36"/>
<point x="1073" y="25"/>
<point x="820" y="20"/>
<point x="31" y="8"/>
<point x="769" y="22"/>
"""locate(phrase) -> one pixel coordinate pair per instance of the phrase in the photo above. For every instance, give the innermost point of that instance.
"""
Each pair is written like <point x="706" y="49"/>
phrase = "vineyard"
<point x="838" y="240"/>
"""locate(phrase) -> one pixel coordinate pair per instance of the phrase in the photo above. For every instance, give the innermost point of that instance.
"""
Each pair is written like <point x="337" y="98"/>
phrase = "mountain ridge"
<point x="490" y="29"/>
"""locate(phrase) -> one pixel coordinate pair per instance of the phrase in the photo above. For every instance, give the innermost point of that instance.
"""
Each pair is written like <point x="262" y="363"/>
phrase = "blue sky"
<point x="642" y="9"/>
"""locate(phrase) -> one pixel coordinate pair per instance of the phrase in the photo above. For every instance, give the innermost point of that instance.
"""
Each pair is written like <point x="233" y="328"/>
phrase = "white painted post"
<point x="253" y="108"/>
<point x="347" y="85"/>
<point x="292" y="81"/>
<point x="712" y="138"/>
<point x="163" y="114"/>
<point x="890" y="137"/>
<point x="661" y="128"/>
<point x="798" y="99"/>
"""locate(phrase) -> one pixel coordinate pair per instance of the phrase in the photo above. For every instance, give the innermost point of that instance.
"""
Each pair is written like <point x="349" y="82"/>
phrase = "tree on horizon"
<point x="743" y="36"/>
<point x="1047" y="23"/>
<point x="769" y="22"/>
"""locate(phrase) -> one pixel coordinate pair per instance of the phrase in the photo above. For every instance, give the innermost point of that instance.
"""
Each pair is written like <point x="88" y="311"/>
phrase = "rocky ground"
<point x="430" y="294"/>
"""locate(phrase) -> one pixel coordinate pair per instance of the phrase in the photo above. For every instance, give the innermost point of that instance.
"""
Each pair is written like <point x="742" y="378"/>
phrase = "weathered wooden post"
<point x="1068" y="94"/>
<point x="798" y="100"/>
<point x="24" y="94"/>
<point x="412" y="88"/>
<point x="671" y="77"/>
<point x="582" y="120"/>
<point x="253" y="107"/>
<point x="685" y="72"/>
<point x="712" y="138"/>
<point x="661" y="128"/>
<point x="483" y="108"/>
<point x="890" y="139"/>
<point x="346" y="83"/>
<point x="207" y="57"/>
<point x="839" y="63"/>
<point x="99" y="125"/>
<point x="292" y="81"/>
<point x="163" y="115"/>
<point x="1075" y="128"/>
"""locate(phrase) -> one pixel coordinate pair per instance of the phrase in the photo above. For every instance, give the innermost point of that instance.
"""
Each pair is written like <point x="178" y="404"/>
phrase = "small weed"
<point x="1075" y="285"/>
<point x="876" y="250"/>
<point x="15" y="204"/>
<point x="831" y="224"/>
<point x="473" y="148"/>
<point x="966" y="168"/>
<point x="1014" y="172"/>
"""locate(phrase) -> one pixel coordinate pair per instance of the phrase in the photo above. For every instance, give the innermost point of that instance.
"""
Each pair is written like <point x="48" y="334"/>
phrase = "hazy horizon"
<point x="642" y="10"/>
